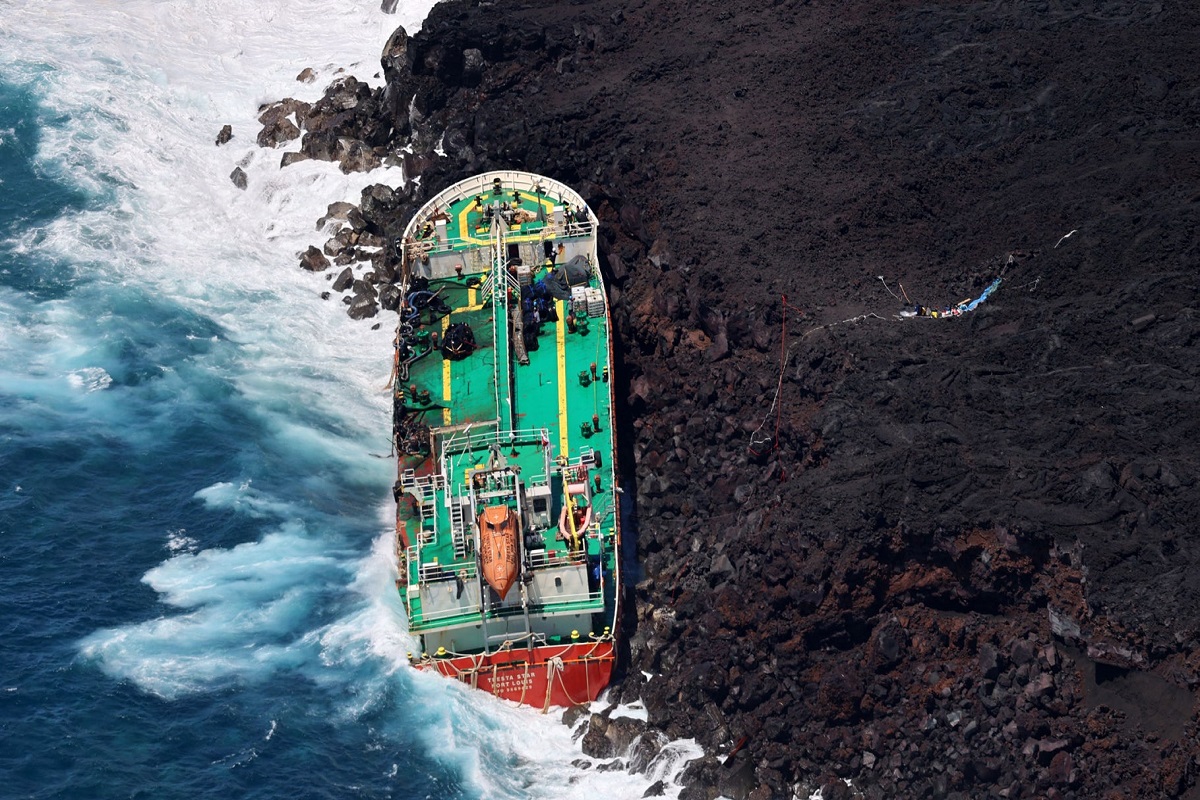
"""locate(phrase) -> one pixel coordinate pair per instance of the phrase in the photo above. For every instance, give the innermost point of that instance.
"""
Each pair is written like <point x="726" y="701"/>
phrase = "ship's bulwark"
<point x="544" y="677"/>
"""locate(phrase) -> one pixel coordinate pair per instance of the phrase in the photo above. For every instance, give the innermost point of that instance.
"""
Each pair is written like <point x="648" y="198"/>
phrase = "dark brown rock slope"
<point x="966" y="566"/>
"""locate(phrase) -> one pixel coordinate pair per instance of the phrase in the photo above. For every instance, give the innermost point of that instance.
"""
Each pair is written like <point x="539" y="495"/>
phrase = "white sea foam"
<point x="239" y="614"/>
<point x="634" y="710"/>
<point x="133" y="94"/>
<point x="146" y="87"/>
<point x="90" y="379"/>
<point x="179" y="542"/>
<point x="243" y="497"/>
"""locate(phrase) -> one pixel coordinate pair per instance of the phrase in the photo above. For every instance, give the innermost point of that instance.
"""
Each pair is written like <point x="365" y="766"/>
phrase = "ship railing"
<point x="550" y="605"/>
<point x="587" y="459"/>
<point x="432" y="571"/>
<point x="596" y="531"/>
<point x="425" y="489"/>
<point x="468" y="612"/>
<point x="470" y="440"/>
<point x="546" y="559"/>
<point x="409" y="480"/>
<point x="459" y="533"/>
<point x="420" y="249"/>
<point x="435" y="244"/>
<point x="481" y="185"/>
<point x="570" y="230"/>
<point x="579" y="601"/>
<point x="510" y="280"/>
<point x="485" y="289"/>
<point x="412" y="562"/>
<point x="562" y="599"/>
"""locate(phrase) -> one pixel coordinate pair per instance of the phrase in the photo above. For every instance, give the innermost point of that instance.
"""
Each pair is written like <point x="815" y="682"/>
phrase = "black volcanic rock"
<point x="363" y="305"/>
<point x="277" y="123"/>
<point x="951" y="532"/>
<point x="314" y="260"/>
<point x="343" y="281"/>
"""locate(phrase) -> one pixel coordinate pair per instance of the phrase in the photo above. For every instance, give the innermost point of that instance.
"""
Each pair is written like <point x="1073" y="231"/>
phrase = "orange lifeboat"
<point x="498" y="547"/>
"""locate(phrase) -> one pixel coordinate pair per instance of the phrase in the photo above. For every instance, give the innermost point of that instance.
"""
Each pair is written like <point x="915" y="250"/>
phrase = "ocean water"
<point x="197" y="596"/>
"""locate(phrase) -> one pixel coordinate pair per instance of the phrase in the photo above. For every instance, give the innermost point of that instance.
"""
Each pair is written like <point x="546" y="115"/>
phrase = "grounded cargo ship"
<point x="507" y="521"/>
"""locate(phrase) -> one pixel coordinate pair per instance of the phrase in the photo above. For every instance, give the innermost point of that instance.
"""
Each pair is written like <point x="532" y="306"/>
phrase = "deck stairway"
<point x="458" y="529"/>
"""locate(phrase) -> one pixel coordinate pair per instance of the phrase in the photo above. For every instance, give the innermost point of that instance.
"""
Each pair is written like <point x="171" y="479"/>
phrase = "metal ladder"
<point x="426" y="509"/>
<point x="458" y="529"/>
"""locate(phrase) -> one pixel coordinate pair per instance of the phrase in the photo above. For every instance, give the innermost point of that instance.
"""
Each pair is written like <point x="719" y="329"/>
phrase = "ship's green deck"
<point x="549" y="396"/>
<point x="467" y="226"/>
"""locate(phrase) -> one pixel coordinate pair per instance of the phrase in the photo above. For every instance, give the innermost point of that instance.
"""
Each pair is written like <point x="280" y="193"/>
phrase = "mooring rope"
<point x="757" y="439"/>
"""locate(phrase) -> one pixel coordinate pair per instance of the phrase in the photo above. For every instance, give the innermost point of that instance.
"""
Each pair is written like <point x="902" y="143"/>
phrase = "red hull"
<point x="553" y="675"/>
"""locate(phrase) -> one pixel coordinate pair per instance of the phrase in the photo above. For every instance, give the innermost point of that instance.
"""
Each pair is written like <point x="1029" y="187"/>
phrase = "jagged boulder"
<point x="277" y="132"/>
<point x="396" y="58"/>
<point x="355" y="155"/>
<point x="363" y="306"/>
<point x="340" y="242"/>
<point x="339" y="210"/>
<point x="389" y="296"/>
<point x="238" y="176"/>
<point x="595" y="743"/>
<point x="472" y="66"/>
<point x="277" y="123"/>
<point x="364" y="288"/>
<point x="343" y="281"/>
<point x="225" y="135"/>
<point x="314" y="260"/>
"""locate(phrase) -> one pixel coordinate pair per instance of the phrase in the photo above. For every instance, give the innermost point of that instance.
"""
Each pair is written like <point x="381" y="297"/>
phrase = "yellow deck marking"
<point x="464" y="231"/>
<point x="468" y="237"/>
<point x="474" y="305"/>
<point x="562" y="377"/>
<point x="446" y="376"/>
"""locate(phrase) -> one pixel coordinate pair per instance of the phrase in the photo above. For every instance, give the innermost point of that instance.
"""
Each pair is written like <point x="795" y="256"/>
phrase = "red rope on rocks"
<point x="784" y="306"/>
<point x="782" y="365"/>
<point x="777" y="403"/>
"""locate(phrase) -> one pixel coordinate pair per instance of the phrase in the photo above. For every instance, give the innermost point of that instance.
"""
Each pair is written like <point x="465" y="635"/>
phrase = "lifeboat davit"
<point x="498" y="547"/>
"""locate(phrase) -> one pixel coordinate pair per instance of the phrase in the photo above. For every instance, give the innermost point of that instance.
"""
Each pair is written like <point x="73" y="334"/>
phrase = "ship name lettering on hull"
<point x="512" y="682"/>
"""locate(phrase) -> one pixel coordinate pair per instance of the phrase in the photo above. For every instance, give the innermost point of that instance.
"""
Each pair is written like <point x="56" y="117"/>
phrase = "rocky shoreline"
<point x="956" y="559"/>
